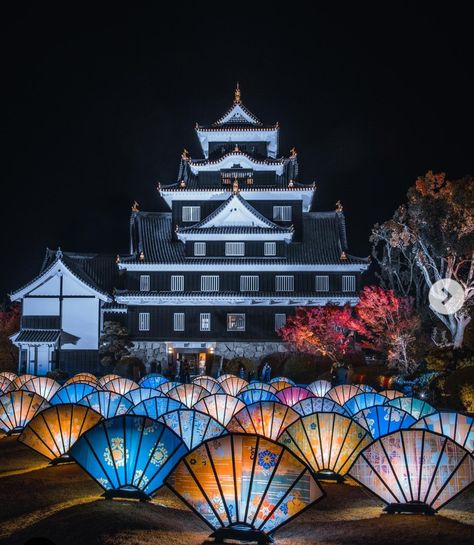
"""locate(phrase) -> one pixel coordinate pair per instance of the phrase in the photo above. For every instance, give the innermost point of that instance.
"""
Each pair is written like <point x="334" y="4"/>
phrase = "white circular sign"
<point x="446" y="296"/>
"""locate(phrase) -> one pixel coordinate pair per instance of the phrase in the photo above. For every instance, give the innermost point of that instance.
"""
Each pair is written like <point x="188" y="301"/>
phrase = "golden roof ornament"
<point x="291" y="183"/>
<point x="237" y="94"/>
<point x="293" y="153"/>
<point x="236" y="149"/>
<point x="142" y="256"/>
<point x="182" y="183"/>
<point x="235" y="185"/>
<point x="135" y="207"/>
<point x="117" y="259"/>
<point x="339" y="207"/>
<point x="343" y="256"/>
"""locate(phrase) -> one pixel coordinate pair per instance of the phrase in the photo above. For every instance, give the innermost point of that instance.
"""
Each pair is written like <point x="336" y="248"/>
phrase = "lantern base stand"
<point x="326" y="475"/>
<point x="128" y="494"/>
<point x="241" y="533"/>
<point x="409" y="507"/>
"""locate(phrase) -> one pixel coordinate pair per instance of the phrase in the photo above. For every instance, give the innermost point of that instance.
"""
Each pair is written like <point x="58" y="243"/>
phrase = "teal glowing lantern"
<point x="72" y="393"/>
<point x="108" y="404"/>
<point x="383" y="419"/>
<point x="152" y="380"/>
<point x="416" y="407"/>
<point x="154" y="407"/>
<point x="364" y="400"/>
<point x="312" y="405"/>
<point x="192" y="426"/>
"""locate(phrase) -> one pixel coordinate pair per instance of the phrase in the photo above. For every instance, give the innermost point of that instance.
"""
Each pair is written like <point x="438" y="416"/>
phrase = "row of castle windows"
<point x="234" y="249"/>
<point x="252" y="282"/>
<point x="193" y="213"/>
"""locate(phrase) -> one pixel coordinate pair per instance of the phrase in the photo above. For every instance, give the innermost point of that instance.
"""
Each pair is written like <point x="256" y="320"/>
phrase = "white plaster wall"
<point x="40" y="307"/>
<point x="81" y="319"/>
<point x="50" y="287"/>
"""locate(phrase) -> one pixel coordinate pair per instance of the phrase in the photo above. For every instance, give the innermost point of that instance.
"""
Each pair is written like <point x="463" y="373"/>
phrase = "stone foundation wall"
<point x="148" y="351"/>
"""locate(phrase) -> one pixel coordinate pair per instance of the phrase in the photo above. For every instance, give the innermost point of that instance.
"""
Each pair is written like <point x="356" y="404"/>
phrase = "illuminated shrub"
<point x="362" y="401"/>
<point x="466" y="395"/>
<point x="222" y="407"/>
<point x="129" y="456"/>
<point x="193" y="427"/>
<point x="152" y="380"/>
<point x="43" y="386"/>
<point x="138" y="395"/>
<point x="383" y="419"/>
<point x="416" y="407"/>
<point x="244" y="483"/>
<point x="328" y="442"/>
<point x="312" y="405"/>
<point x="458" y="427"/>
<point x="266" y="418"/>
<point x="233" y="385"/>
<point x="291" y="396"/>
<point x="108" y="404"/>
<point x="189" y="394"/>
<point x="120" y="385"/>
<point x="412" y="468"/>
<point x="72" y="393"/>
<point x="52" y="432"/>
<point x="319" y="387"/>
<point x="156" y="407"/>
<point x="342" y="393"/>
<point x="252" y="396"/>
<point x="17" y="408"/>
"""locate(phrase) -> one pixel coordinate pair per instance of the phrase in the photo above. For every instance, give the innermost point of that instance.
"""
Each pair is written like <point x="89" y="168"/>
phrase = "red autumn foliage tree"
<point x="9" y="324"/>
<point x="387" y="323"/>
<point x="320" y="330"/>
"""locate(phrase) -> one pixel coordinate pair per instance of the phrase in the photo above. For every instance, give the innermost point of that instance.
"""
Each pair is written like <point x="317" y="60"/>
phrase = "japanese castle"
<point x="239" y="248"/>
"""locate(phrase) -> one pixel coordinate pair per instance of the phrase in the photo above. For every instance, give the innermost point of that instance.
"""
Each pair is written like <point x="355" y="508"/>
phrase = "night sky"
<point x="98" y="104"/>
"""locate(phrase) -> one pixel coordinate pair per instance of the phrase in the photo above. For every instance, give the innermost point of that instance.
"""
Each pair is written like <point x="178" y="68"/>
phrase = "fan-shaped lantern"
<point x="291" y="396"/>
<point x="83" y="377"/>
<point x="72" y="393"/>
<point x="107" y="378"/>
<point x="19" y="381"/>
<point x="225" y="376"/>
<point x="416" y="407"/>
<point x="53" y="431"/>
<point x="256" y="385"/>
<point x="221" y="407"/>
<point x="281" y="385"/>
<point x="319" y="387"/>
<point x="252" y="396"/>
<point x="120" y="385"/>
<point x="167" y="386"/>
<point x="129" y="456"/>
<point x="43" y="386"/>
<point x="458" y="427"/>
<point x="156" y="407"/>
<point x="152" y="380"/>
<point x="233" y="385"/>
<point x="364" y="400"/>
<point x="17" y="408"/>
<point x="274" y="380"/>
<point x="265" y="418"/>
<point x="9" y="375"/>
<point x="138" y="395"/>
<point x="211" y="384"/>
<point x="383" y="419"/>
<point x="391" y="394"/>
<point x="244" y="486"/>
<point x="189" y="394"/>
<point x="6" y="385"/>
<point x="414" y="470"/>
<point x="366" y="388"/>
<point x="193" y="427"/>
<point x="342" y="393"/>
<point x="312" y="405"/>
<point x="328" y="442"/>
<point x="108" y="404"/>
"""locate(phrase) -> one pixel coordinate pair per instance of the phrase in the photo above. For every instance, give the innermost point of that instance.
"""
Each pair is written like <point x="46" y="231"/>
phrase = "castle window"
<point x="177" y="282"/>
<point x="191" y="213"/>
<point x="144" y="321"/>
<point x="282" y="213"/>
<point x="284" y="283"/>
<point x="178" y="321"/>
<point x="269" y="248"/>
<point x="199" y="248"/>
<point x="235" y="248"/>
<point x="280" y="321"/>
<point x="209" y="283"/>
<point x="144" y="282"/>
<point x="348" y="282"/>
<point x="235" y="322"/>
<point x="249" y="283"/>
<point x="205" y="321"/>
<point x="321" y="283"/>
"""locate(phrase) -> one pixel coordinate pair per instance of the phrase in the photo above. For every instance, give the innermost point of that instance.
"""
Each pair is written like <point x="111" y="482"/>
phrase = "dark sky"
<point x="98" y="104"/>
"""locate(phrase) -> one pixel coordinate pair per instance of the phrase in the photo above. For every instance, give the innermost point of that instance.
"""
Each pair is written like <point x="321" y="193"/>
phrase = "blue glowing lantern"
<point x="362" y="401"/>
<point x="383" y="419"/>
<point x="129" y="456"/>
<point x="138" y="395"/>
<point x="72" y="393"/>
<point x="156" y="407"/>
<point x="274" y="380"/>
<point x="252" y="396"/>
<point x="106" y="403"/>
<point x="152" y="380"/>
